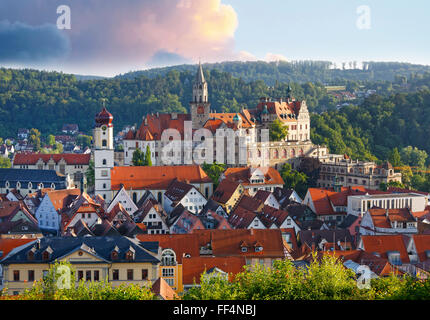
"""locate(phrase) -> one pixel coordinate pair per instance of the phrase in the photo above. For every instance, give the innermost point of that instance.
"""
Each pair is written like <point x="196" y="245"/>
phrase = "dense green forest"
<point x="398" y="115"/>
<point x="298" y="71"/>
<point x="47" y="100"/>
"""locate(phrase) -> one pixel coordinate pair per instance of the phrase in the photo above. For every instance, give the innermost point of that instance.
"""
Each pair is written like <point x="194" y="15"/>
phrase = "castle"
<point x="246" y="126"/>
<point x="202" y="123"/>
<point x="245" y="147"/>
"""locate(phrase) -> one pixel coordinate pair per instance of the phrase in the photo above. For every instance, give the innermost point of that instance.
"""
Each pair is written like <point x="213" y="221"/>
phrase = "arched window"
<point x="104" y="162"/>
<point x="284" y="153"/>
<point x="104" y="143"/>
<point x="301" y="152"/>
<point x="259" y="153"/>
<point x="168" y="258"/>
<point x="276" y="154"/>
<point x="293" y="153"/>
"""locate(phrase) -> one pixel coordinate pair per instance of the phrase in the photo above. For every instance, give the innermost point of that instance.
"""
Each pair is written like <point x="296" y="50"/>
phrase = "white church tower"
<point x="103" y="154"/>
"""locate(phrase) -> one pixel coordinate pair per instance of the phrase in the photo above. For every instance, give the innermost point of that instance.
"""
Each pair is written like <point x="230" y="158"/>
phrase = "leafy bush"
<point x="48" y="289"/>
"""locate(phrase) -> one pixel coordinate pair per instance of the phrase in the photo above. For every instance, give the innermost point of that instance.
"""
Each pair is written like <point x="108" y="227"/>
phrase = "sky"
<point x="109" y="37"/>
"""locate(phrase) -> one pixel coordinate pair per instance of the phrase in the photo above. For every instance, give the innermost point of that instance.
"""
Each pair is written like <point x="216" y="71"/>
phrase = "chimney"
<point x="252" y="231"/>
<point x="174" y="116"/>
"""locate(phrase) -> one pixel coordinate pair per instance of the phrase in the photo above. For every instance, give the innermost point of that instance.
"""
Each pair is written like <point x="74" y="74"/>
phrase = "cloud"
<point x="165" y="58"/>
<point x="111" y="33"/>
<point x="22" y="43"/>
<point x="246" y="56"/>
<point x="274" y="57"/>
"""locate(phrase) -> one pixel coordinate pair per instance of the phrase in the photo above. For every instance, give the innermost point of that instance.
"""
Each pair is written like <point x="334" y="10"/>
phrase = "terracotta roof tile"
<point x="156" y="177"/>
<point x="193" y="267"/>
<point x="33" y="158"/>
<point x="422" y="245"/>
<point x="383" y="244"/>
<point x="161" y="288"/>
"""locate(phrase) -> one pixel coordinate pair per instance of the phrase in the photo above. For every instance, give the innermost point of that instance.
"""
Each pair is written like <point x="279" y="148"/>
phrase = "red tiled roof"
<point x="378" y="265"/>
<point x="422" y="244"/>
<point x="181" y="244"/>
<point x="114" y="212"/>
<point x="177" y="190"/>
<point x="271" y="215"/>
<point x="250" y="204"/>
<point x="156" y="177"/>
<point x="7" y="245"/>
<point x="225" y="190"/>
<point x="161" y="288"/>
<point x="278" y="108"/>
<point x="382" y="217"/>
<point x="227" y="242"/>
<point x="262" y="195"/>
<point x="243" y="174"/>
<point x="241" y="218"/>
<point x="385" y="243"/>
<point x="61" y="198"/>
<point x="193" y="267"/>
<point x="156" y="124"/>
<point x="227" y="118"/>
<point x="33" y="158"/>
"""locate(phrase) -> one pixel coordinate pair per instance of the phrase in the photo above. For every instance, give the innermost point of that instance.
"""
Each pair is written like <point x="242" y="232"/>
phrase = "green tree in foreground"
<point x="148" y="161"/>
<point x="50" y="141"/>
<point x="277" y="131"/>
<point x="214" y="171"/>
<point x="5" y="162"/>
<point x="384" y="186"/>
<point x="294" y="179"/>
<point x="324" y="279"/>
<point x="54" y="286"/>
<point x="34" y="139"/>
<point x="138" y="158"/>
<point x="90" y="174"/>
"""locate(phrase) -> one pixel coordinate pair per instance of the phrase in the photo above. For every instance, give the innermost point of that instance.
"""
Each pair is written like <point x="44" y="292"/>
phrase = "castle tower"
<point x="103" y="154"/>
<point x="199" y="106"/>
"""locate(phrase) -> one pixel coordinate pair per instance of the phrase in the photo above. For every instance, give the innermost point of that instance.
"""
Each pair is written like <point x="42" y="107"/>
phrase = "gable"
<point x="20" y="215"/>
<point x="81" y="255"/>
<point x="122" y="197"/>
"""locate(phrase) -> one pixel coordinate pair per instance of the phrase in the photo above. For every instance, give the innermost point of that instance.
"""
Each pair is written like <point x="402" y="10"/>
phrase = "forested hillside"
<point x="397" y="116"/>
<point x="299" y="71"/>
<point x="47" y="100"/>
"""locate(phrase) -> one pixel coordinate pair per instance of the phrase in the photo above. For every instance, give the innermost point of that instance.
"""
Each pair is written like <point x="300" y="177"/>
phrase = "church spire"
<point x="200" y="78"/>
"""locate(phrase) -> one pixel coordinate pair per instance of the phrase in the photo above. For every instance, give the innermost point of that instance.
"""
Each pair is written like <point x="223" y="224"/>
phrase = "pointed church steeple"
<point x="200" y="77"/>
<point x="199" y="106"/>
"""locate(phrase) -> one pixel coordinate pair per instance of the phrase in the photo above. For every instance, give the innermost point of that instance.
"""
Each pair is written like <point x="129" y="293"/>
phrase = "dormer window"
<point x="129" y="255"/>
<point x="46" y="254"/>
<point x="114" y="253"/>
<point x="30" y="254"/>
<point x="244" y="249"/>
